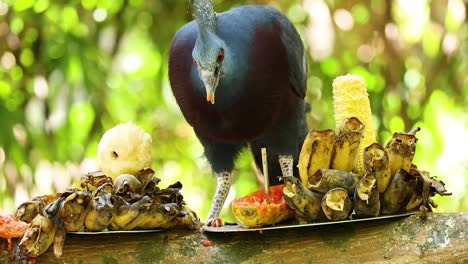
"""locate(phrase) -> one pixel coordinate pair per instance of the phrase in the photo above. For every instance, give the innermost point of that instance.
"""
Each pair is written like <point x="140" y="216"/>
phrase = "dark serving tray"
<point x="241" y="228"/>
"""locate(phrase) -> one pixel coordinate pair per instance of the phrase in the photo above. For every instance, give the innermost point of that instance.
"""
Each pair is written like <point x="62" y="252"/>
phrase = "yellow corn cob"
<point x="351" y="100"/>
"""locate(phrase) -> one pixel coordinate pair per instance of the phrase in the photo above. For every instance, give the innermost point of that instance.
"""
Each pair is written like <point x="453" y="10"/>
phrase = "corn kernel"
<point x="351" y="100"/>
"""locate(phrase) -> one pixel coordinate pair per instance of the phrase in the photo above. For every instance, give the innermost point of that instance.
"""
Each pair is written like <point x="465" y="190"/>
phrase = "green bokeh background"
<point x="70" y="70"/>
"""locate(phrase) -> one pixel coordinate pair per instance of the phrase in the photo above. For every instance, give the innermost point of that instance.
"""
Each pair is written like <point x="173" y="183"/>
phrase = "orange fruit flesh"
<point x="255" y="209"/>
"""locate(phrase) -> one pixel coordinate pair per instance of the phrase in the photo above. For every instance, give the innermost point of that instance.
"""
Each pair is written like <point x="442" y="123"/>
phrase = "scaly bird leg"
<point x="286" y="164"/>
<point x="222" y="190"/>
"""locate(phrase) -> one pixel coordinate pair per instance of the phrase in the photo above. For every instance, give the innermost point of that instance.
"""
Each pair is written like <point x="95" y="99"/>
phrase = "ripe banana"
<point x="401" y="149"/>
<point x="330" y="178"/>
<point x="153" y="215"/>
<point x="366" y="197"/>
<point x="350" y="98"/>
<point x="38" y="237"/>
<point x="346" y="146"/>
<point x="89" y="182"/>
<point x="305" y="203"/>
<point x="376" y="162"/>
<point x="336" y="204"/>
<point x="74" y="210"/>
<point x="126" y="212"/>
<point x="29" y="209"/>
<point x="315" y="154"/>
<point x="100" y="214"/>
<point x="187" y="218"/>
<point x="399" y="192"/>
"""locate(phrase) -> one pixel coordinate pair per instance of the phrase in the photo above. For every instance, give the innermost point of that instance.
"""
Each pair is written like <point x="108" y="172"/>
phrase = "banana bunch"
<point x="346" y="170"/>
<point x="339" y="195"/>
<point x="328" y="149"/>
<point x="123" y="196"/>
<point x="136" y="202"/>
<point x="99" y="204"/>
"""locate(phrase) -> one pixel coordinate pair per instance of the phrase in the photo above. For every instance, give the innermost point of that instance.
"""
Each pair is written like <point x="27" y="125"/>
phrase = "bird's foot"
<point x="286" y="164"/>
<point x="216" y="222"/>
<point x="222" y="190"/>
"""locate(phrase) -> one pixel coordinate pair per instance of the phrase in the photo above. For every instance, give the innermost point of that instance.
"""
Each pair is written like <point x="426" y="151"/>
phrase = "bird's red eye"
<point x="220" y="56"/>
<point x="195" y="62"/>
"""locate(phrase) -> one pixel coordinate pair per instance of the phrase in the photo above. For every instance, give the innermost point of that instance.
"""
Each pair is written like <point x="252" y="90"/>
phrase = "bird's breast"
<point x="253" y="96"/>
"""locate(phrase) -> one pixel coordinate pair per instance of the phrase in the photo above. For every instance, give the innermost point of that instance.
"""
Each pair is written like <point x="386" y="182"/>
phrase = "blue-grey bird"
<point x="239" y="78"/>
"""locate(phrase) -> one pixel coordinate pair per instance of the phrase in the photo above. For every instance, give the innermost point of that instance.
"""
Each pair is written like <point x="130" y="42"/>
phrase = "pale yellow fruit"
<point x="350" y="99"/>
<point x="124" y="149"/>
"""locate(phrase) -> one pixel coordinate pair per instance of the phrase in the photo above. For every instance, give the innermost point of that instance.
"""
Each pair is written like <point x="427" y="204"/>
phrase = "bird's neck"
<point x="205" y="16"/>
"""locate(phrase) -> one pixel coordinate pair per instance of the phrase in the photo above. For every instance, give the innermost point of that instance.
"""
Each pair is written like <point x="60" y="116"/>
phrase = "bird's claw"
<point x="215" y="222"/>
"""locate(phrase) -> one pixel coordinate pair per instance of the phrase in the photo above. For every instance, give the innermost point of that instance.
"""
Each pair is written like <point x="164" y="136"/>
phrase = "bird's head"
<point x="208" y="55"/>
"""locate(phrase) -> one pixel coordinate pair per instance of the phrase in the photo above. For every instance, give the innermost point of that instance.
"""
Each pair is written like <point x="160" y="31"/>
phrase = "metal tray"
<point x="241" y="228"/>
<point x="116" y="232"/>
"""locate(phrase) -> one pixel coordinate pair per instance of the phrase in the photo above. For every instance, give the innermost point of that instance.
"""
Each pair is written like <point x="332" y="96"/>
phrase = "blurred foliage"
<point x="69" y="70"/>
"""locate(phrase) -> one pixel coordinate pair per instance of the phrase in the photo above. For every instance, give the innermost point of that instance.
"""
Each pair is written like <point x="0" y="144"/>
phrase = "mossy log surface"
<point x="439" y="239"/>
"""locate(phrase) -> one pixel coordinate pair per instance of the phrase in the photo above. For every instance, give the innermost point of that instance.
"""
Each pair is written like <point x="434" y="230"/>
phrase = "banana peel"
<point x="91" y="181"/>
<point x="145" y="176"/>
<point x="126" y="212"/>
<point x="28" y="210"/>
<point x="187" y="218"/>
<point x="305" y="203"/>
<point x="366" y="197"/>
<point x="346" y="146"/>
<point x="154" y="215"/>
<point x="336" y="204"/>
<point x="316" y="153"/>
<point x="128" y="186"/>
<point x="100" y="213"/>
<point x="376" y="162"/>
<point x="39" y="236"/>
<point x="74" y="210"/>
<point x="331" y="178"/>
<point x="401" y="149"/>
<point x="399" y="192"/>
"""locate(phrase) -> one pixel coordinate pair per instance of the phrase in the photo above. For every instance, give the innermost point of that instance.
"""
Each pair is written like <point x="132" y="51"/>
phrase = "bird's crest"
<point x="205" y="16"/>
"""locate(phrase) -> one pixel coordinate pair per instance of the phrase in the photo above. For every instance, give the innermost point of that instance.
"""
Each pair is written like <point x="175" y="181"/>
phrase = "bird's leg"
<point x="286" y="164"/>
<point x="222" y="189"/>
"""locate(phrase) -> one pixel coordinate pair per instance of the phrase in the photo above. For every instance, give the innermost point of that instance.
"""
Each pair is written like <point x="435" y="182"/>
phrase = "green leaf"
<point x="21" y="5"/>
<point x="27" y="57"/>
<point x="5" y="89"/>
<point x="81" y="118"/>
<point x="74" y="69"/>
<point x="330" y="66"/>
<point x="41" y="6"/>
<point x="360" y="14"/>
<point x="17" y="25"/>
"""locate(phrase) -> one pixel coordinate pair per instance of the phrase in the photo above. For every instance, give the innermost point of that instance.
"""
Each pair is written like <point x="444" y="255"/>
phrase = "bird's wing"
<point x="296" y="56"/>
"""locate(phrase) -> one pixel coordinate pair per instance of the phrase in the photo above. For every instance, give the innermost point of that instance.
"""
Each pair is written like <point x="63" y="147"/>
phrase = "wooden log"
<point x="440" y="238"/>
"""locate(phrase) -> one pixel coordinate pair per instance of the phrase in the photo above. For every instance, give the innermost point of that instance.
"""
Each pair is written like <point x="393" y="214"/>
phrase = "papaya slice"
<point x="255" y="210"/>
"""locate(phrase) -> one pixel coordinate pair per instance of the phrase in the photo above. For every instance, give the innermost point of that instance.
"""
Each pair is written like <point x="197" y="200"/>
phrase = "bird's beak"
<point x="210" y="80"/>
<point x="210" y="97"/>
